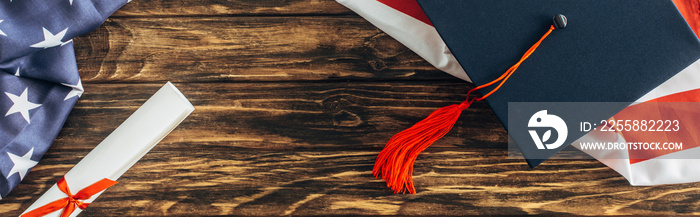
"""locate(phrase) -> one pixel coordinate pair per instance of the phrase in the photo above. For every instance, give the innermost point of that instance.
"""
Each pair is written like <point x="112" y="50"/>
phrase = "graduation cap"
<point x="547" y="51"/>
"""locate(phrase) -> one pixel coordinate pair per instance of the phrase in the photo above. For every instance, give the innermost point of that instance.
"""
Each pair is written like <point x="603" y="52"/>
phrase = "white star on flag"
<point x="51" y="40"/>
<point x="2" y="33"/>
<point x="36" y="47"/>
<point x="21" y="164"/>
<point x="21" y="104"/>
<point x="76" y="91"/>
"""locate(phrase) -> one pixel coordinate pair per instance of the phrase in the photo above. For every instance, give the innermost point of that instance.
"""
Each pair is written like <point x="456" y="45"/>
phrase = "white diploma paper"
<point x="125" y="146"/>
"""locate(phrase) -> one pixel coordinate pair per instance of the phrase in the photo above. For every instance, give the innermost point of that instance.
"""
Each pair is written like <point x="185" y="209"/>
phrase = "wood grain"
<point x="245" y="49"/>
<point x="450" y="182"/>
<point x="286" y="116"/>
<point x="170" y="8"/>
<point x="309" y="160"/>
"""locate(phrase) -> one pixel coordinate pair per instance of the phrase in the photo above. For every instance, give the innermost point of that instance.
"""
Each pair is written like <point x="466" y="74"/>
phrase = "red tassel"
<point x="395" y="161"/>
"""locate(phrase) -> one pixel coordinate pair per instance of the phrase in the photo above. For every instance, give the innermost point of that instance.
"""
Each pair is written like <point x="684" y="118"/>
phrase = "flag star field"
<point x="39" y="80"/>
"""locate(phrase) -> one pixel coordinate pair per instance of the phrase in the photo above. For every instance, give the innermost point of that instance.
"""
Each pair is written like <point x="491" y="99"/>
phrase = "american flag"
<point x="39" y="82"/>
<point x="405" y="21"/>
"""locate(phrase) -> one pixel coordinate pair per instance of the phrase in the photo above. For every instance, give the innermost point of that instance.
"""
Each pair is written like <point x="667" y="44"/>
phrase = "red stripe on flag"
<point x="408" y="7"/>
<point x="691" y="12"/>
<point x="687" y="114"/>
<point x="686" y="96"/>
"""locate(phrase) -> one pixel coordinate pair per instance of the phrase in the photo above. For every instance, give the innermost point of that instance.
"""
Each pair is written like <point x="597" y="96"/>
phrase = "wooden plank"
<point x="232" y="7"/>
<point x="307" y="149"/>
<point x="238" y="49"/>
<point x="286" y="116"/>
<point x="201" y="181"/>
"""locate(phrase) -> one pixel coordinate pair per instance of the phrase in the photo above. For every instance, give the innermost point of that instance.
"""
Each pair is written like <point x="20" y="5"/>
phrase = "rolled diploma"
<point x="125" y="146"/>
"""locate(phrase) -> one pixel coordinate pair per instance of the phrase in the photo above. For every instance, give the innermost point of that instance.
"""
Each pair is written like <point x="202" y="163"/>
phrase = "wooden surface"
<point x="293" y="100"/>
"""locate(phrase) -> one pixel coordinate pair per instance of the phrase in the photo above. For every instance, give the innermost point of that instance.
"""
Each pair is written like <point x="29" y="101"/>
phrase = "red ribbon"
<point x="69" y="203"/>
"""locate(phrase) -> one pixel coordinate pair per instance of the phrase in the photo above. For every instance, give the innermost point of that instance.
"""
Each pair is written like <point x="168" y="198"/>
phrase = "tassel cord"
<point x="395" y="162"/>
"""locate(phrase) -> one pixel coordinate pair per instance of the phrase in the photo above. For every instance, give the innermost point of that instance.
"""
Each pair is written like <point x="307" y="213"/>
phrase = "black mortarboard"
<point x="610" y="51"/>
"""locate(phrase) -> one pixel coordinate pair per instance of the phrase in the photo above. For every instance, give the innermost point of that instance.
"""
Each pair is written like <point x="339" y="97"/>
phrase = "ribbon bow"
<point x="69" y="203"/>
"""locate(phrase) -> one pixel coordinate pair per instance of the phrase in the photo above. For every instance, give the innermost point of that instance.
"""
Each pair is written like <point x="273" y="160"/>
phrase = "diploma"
<point x="122" y="148"/>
